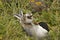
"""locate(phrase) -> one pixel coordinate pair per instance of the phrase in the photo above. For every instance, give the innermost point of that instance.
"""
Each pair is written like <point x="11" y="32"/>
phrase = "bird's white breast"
<point x="36" y="30"/>
<point x="39" y="31"/>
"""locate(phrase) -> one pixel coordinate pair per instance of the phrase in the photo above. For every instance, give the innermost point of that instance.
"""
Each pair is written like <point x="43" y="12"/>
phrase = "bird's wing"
<point x="44" y="25"/>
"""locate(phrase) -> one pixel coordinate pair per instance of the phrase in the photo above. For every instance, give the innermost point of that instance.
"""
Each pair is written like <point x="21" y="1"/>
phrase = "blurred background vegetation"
<point x="10" y="28"/>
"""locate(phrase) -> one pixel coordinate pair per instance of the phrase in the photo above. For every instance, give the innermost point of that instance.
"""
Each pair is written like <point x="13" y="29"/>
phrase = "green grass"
<point x="10" y="28"/>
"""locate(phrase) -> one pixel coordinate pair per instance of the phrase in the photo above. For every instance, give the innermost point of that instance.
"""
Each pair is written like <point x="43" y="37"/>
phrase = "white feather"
<point x="39" y="31"/>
